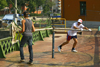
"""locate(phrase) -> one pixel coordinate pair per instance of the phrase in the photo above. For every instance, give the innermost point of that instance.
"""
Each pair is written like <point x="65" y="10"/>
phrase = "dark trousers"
<point x="27" y="39"/>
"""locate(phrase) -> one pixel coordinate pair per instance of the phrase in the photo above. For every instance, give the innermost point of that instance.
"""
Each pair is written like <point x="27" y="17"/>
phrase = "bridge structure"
<point x="88" y="48"/>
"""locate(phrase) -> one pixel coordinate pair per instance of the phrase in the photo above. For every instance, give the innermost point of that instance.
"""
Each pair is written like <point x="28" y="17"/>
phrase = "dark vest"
<point x="28" y="28"/>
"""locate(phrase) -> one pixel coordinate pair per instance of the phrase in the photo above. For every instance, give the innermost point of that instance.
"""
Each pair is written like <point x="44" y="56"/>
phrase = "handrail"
<point x="5" y="38"/>
<point x="60" y="29"/>
<point x="44" y="29"/>
<point x="69" y="29"/>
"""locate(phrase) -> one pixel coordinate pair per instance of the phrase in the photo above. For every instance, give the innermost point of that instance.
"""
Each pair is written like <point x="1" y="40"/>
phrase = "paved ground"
<point x="88" y="48"/>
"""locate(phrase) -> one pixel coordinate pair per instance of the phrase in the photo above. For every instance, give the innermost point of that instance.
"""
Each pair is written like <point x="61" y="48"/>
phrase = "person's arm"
<point x="23" y="26"/>
<point x="85" y="28"/>
<point x="33" y="28"/>
<point x="75" y="27"/>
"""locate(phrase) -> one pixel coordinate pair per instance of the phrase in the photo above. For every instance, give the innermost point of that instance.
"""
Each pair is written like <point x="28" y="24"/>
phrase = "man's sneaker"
<point x="21" y="61"/>
<point x="59" y="48"/>
<point x="74" y="51"/>
<point x="29" y="62"/>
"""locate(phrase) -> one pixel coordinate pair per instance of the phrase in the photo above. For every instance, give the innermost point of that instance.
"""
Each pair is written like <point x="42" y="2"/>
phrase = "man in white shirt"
<point x="72" y="34"/>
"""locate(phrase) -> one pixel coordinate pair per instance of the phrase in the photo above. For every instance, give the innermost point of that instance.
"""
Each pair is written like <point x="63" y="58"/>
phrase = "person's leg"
<point x="60" y="47"/>
<point x="64" y="43"/>
<point x="74" y="45"/>
<point x="67" y="40"/>
<point x="23" y="41"/>
<point x="30" y="49"/>
<point x="75" y="42"/>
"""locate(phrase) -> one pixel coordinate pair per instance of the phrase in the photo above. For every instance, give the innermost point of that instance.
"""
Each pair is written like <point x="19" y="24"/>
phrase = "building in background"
<point x="39" y="10"/>
<point x="88" y="10"/>
<point x="57" y="7"/>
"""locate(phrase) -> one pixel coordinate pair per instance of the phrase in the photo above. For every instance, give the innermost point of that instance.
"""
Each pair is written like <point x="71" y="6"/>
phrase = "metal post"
<point x="15" y="11"/>
<point x="53" y="41"/>
<point x="52" y="7"/>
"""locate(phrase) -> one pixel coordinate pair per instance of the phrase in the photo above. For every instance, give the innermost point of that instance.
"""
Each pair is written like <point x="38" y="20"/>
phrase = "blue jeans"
<point x="23" y="41"/>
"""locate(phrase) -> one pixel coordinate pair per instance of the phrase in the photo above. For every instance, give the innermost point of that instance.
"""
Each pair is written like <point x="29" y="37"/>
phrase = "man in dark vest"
<point x="27" y="29"/>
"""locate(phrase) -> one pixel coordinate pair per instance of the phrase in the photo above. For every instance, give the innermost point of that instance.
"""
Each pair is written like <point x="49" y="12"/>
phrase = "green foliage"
<point x="48" y="6"/>
<point x="31" y="6"/>
<point x="3" y="4"/>
<point x="39" y="2"/>
<point x="46" y="9"/>
<point x="58" y="14"/>
<point x="33" y="14"/>
<point x="20" y="3"/>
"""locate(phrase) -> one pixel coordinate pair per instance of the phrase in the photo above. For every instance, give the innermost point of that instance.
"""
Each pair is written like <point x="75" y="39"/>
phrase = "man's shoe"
<point x="74" y="51"/>
<point x="59" y="48"/>
<point x="21" y="61"/>
<point x="29" y="62"/>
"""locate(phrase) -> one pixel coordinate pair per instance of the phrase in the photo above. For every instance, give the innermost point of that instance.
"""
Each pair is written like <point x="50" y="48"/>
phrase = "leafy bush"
<point x="33" y="14"/>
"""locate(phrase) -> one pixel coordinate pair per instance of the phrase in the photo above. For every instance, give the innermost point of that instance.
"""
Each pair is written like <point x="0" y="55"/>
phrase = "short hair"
<point x="25" y="13"/>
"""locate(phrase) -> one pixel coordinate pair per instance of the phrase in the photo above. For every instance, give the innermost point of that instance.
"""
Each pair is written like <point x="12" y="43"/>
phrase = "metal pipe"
<point x="53" y="43"/>
<point x="15" y="11"/>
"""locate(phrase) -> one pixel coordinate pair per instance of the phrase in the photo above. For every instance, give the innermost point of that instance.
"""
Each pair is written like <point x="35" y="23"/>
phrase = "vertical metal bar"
<point x="15" y="11"/>
<point x="65" y="24"/>
<point x="53" y="41"/>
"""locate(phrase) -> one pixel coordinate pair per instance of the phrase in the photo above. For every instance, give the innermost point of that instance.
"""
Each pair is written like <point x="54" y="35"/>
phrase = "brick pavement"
<point x="88" y="53"/>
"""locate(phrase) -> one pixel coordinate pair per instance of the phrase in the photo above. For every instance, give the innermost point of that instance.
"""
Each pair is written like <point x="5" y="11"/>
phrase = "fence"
<point x="42" y="23"/>
<point x="59" y="22"/>
<point x="6" y="45"/>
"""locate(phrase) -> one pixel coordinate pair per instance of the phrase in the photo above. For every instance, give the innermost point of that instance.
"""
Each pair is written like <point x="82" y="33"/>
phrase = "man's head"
<point x="25" y="14"/>
<point x="79" y="21"/>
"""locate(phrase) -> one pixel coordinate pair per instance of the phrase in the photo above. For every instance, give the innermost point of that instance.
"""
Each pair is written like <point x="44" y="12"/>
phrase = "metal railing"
<point x="6" y="45"/>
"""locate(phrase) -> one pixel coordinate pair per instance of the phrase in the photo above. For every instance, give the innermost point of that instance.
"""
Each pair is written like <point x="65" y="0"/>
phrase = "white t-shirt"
<point x="73" y="33"/>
